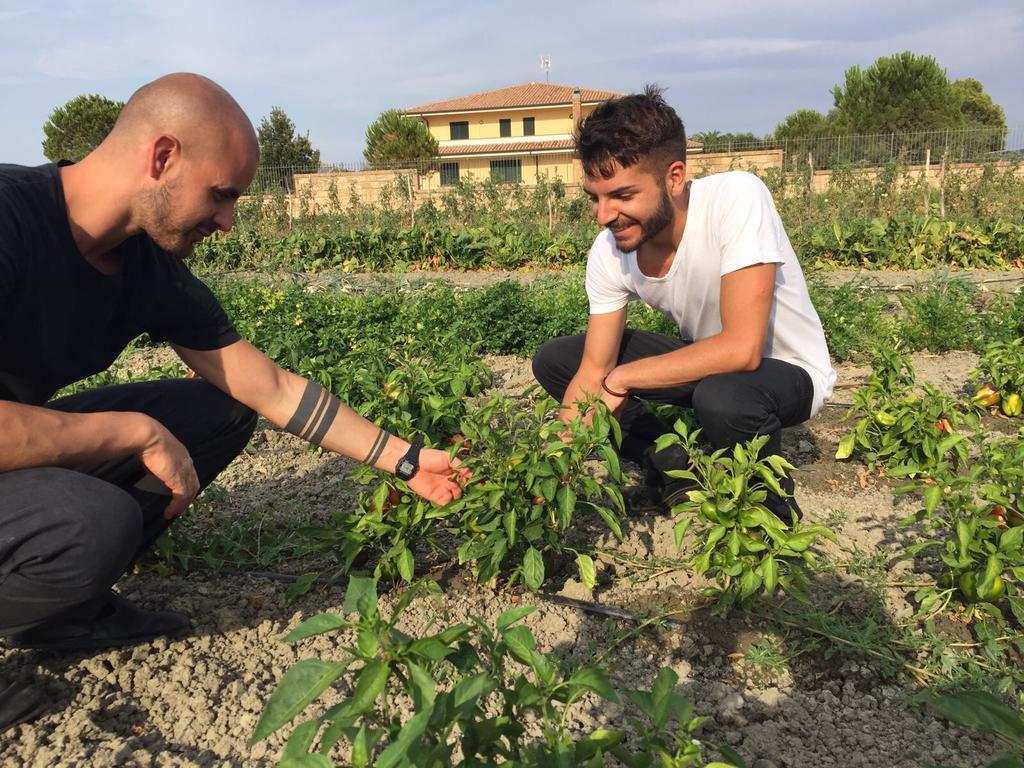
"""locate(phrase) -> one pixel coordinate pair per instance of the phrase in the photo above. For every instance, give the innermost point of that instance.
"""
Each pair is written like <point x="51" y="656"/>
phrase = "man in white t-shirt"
<point x="712" y="255"/>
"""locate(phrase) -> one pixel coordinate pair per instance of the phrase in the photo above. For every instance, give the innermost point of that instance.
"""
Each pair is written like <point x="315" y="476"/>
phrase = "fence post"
<point x="412" y="201"/>
<point x="942" y="182"/>
<point x="810" y="181"/>
<point x="924" y="178"/>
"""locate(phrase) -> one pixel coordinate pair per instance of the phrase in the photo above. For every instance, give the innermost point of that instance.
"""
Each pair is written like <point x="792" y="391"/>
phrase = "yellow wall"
<point x="556" y="165"/>
<point x="549" y="121"/>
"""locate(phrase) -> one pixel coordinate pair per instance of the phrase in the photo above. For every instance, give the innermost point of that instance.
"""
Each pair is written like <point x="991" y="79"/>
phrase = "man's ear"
<point x="165" y="151"/>
<point x="675" y="178"/>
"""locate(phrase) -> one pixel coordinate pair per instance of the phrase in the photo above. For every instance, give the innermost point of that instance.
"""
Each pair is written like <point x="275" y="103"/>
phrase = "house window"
<point x="449" y="174"/>
<point x="507" y="170"/>
<point x="459" y="130"/>
<point x="505" y="127"/>
<point x="528" y="126"/>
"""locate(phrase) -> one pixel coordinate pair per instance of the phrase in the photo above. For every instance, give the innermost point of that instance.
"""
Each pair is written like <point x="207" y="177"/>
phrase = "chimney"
<point x="577" y="109"/>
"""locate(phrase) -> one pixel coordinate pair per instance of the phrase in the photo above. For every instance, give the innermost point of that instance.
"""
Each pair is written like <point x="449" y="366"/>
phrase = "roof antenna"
<point x="545" y="64"/>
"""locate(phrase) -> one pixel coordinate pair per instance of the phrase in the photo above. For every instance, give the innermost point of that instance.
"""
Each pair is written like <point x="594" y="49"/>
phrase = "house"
<point x="521" y="133"/>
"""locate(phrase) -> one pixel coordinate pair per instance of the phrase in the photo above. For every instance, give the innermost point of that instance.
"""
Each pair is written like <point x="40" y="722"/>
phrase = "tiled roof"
<point x="525" y="95"/>
<point x="508" y="146"/>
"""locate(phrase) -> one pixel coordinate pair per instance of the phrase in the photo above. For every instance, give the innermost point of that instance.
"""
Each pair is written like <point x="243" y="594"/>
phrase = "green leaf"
<point x="533" y="569"/>
<point x="361" y="596"/>
<point x="595" y="680"/>
<point x="400" y="750"/>
<point x="610" y="519"/>
<point x="302" y="683"/>
<point x="509" y="521"/>
<point x="301" y="586"/>
<point x="846" y="446"/>
<point x="369" y="684"/>
<point x="300" y="740"/>
<point x="566" y="504"/>
<point x="317" y="625"/>
<point x="423" y="686"/>
<point x="405" y="564"/>
<point x="798" y="542"/>
<point x="588" y="573"/>
<point x="520" y="643"/>
<point x="981" y="711"/>
<point x="611" y="458"/>
<point x="362" y="745"/>
<point x="513" y="615"/>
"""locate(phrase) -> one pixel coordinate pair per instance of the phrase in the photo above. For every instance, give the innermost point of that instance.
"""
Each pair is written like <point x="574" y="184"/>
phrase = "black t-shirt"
<point x="60" y="319"/>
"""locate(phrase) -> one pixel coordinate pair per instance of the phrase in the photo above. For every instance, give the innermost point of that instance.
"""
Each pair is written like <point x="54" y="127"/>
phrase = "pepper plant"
<point x="461" y="696"/>
<point x="971" y="520"/>
<point x="530" y="480"/>
<point x="739" y="543"/>
<point x="1001" y="369"/>
<point x="907" y="430"/>
<point x="388" y="523"/>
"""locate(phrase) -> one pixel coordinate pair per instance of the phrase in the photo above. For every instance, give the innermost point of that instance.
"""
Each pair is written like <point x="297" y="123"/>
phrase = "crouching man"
<point x="91" y="256"/>
<point x="712" y="255"/>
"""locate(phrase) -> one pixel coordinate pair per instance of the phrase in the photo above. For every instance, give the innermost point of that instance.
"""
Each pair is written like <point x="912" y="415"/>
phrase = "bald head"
<point x="192" y="108"/>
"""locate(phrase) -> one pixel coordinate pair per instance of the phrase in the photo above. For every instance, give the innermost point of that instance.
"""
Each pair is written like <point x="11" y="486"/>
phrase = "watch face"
<point x="404" y="468"/>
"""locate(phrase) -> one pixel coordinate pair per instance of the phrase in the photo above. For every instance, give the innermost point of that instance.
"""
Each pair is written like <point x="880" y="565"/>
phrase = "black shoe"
<point x="119" y="624"/>
<point x="647" y="499"/>
<point x="20" y="702"/>
<point x="787" y="510"/>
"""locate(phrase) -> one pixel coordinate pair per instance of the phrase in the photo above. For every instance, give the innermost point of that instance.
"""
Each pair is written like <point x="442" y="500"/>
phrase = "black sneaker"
<point x="119" y="624"/>
<point x="642" y="500"/>
<point x="20" y="702"/>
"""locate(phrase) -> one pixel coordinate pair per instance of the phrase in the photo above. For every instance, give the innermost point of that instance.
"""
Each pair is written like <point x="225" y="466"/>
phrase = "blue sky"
<point x="728" y="65"/>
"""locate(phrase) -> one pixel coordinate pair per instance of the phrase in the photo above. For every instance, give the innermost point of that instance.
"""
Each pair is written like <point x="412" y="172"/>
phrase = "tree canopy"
<point x="395" y="139"/>
<point x="282" y="152"/>
<point x="77" y="128"/>
<point x="897" y="94"/>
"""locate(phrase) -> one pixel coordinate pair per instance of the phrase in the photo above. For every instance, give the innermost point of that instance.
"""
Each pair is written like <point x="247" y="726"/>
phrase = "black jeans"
<point x="67" y="534"/>
<point x="730" y="407"/>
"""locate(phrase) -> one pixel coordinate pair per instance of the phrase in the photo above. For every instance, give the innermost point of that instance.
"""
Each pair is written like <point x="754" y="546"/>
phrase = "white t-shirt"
<point x="731" y="223"/>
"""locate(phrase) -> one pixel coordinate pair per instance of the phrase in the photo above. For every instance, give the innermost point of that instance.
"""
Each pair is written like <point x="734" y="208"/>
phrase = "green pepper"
<point x="968" y="584"/>
<point x="885" y="418"/>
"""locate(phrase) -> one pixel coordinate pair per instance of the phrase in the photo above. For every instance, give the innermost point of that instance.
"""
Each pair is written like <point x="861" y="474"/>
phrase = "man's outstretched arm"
<point x="307" y="410"/>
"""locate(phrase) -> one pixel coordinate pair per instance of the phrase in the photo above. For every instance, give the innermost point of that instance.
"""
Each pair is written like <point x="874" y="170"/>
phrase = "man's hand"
<point x="171" y="463"/>
<point x="440" y="477"/>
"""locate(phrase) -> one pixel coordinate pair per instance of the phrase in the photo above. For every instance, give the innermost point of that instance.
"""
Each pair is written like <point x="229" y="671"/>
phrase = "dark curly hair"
<point x="628" y="130"/>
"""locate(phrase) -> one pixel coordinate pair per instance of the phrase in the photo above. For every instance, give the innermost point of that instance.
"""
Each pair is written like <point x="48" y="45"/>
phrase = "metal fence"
<point x="910" y="148"/>
<point x="821" y="152"/>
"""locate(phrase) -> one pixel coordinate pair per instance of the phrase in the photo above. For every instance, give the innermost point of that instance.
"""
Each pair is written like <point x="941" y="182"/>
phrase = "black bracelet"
<point x="604" y="386"/>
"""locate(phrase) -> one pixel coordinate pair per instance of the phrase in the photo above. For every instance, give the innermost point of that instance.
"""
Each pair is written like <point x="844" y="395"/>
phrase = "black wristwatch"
<point x="409" y="464"/>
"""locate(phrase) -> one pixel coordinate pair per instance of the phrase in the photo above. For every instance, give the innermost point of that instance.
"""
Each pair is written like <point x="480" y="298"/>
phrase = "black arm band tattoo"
<point x="315" y="414"/>
<point x="377" y="448"/>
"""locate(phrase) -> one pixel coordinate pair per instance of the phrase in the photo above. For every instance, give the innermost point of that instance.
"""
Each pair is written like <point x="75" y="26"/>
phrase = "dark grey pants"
<point x="730" y="407"/>
<point x="67" y="534"/>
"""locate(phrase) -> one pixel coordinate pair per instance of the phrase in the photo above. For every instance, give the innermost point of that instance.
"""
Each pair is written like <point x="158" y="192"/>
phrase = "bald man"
<point x="91" y="256"/>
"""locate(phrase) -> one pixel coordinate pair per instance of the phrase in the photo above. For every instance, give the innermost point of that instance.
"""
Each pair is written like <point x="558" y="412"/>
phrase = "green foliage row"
<point x="907" y="242"/>
<point x="301" y="328"/>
